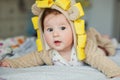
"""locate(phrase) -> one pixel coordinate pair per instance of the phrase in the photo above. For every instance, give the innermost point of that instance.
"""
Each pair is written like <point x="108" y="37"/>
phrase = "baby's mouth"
<point x="57" y="43"/>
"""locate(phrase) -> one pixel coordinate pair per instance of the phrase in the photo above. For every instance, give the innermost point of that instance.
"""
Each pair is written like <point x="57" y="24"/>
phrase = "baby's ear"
<point x="35" y="10"/>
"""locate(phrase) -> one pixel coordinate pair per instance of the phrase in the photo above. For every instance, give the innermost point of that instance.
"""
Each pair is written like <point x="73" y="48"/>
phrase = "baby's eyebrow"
<point x="47" y="25"/>
<point x="62" y="23"/>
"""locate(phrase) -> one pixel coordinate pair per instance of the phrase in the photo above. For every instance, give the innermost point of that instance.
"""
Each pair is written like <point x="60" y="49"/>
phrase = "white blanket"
<point x="53" y="73"/>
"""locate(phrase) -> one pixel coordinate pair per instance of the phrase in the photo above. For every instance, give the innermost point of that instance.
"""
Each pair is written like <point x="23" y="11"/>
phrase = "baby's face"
<point x="58" y="33"/>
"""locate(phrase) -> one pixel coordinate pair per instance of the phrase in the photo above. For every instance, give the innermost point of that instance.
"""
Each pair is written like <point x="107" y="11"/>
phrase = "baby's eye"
<point x="50" y="29"/>
<point x="63" y="28"/>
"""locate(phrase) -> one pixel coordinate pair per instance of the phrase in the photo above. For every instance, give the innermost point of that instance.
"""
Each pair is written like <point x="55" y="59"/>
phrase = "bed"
<point x="54" y="72"/>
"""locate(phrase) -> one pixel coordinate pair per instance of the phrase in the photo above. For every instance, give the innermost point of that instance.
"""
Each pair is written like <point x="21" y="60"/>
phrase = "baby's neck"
<point x="66" y="54"/>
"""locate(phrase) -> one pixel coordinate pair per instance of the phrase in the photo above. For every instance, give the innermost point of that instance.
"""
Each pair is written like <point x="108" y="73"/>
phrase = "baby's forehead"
<point x="55" y="18"/>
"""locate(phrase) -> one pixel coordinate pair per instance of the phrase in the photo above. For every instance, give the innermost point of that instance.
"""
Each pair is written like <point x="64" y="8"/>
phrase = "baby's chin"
<point x="58" y="48"/>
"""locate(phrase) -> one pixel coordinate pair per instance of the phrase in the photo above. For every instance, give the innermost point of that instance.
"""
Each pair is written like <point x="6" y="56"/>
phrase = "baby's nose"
<point x="55" y="33"/>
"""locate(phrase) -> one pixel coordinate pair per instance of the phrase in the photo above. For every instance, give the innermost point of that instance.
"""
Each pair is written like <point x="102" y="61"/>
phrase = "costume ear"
<point x="73" y="13"/>
<point x="76" y="11"/>
<point x="73" y="2"/>
<point x="35" y="9"/>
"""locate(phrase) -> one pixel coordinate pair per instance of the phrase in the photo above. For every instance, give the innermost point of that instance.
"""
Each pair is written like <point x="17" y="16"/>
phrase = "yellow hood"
<point x="72" y="11"/>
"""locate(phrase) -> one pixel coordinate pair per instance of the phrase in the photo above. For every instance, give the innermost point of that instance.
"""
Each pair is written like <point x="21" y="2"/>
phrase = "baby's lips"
<point x="57" y="41"/>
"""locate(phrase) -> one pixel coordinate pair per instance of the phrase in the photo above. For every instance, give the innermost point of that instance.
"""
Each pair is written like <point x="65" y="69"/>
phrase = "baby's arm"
<point x="102" y="41"/>
<point x="97" y="59"/>
<point x="31" y="59"/>
<point x="96" y="55"/>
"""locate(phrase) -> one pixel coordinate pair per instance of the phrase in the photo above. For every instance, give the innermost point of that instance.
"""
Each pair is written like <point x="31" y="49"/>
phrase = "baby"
<point x="62" y="41"/>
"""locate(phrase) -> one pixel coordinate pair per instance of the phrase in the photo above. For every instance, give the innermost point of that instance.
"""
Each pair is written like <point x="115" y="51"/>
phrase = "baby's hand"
<point x="116" y="76"/>
<point x="4" y="64"/>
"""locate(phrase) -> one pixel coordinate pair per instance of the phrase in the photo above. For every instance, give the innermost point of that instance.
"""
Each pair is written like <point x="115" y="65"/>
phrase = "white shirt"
<point x="58" y="60"/>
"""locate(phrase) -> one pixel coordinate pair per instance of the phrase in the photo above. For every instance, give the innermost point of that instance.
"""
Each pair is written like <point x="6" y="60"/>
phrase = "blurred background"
<point x="15" y="17"/>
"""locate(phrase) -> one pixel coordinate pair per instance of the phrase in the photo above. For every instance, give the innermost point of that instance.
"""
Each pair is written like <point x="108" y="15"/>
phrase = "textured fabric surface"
<point x="53" y="73"/>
